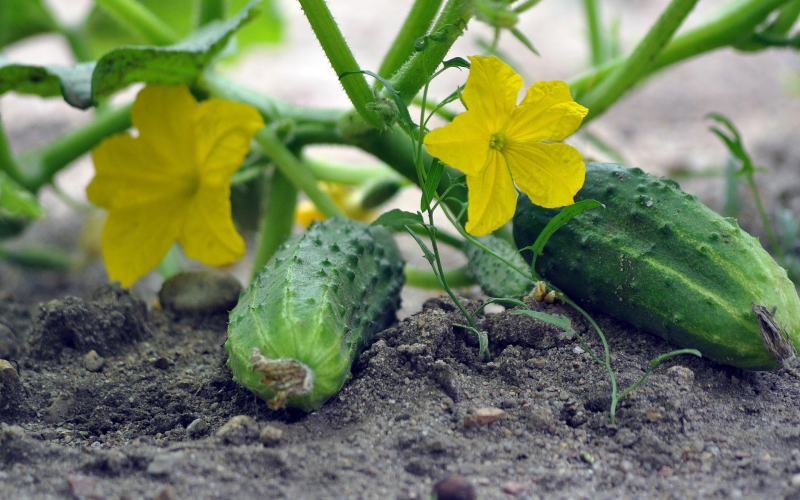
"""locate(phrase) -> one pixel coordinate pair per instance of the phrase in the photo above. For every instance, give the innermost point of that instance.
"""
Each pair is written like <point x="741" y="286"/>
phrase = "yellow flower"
<point x="496" y="140"/>
<point x="172" y="182"/>
<point x="306" y="212"/>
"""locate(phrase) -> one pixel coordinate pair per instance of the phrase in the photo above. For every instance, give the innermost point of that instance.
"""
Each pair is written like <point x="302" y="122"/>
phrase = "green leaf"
<point x="84" y="84"/>
<point x="105" y="33"/>
<point x="267" y="29"/>
<point x="555" y="223"/>
<point x="23" y="18"/>
<point x="73" y="83"/>
<point x="16" y="201"/>
<point x="559" y="321"/>
<point x="398" y="218"/>
<point x="431" y="184"/>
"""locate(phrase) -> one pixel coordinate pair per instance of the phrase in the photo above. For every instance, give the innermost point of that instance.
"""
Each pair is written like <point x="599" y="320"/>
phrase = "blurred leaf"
<point x="23" y="18"/>
<point x="82" y="85"/>
<point x="16" y="201"/>
<point x="105" y="33"/>
<point x="17" y="207"/>
<point x="398" y="218"/>
<point x="267" y="29"/>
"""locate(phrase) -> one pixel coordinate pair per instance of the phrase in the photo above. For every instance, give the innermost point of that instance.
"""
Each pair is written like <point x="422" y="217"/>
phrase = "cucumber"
<point x="310" y="312"/>
<point x="493" y="275"/>
<point x="659" y="259"/>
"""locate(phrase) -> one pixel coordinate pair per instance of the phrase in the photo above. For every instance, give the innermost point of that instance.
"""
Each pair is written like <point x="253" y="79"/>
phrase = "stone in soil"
<point x="202" y="292"/>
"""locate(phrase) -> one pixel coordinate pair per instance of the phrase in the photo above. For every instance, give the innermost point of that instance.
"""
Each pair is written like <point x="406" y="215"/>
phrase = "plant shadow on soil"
<point x="115" y="401"/>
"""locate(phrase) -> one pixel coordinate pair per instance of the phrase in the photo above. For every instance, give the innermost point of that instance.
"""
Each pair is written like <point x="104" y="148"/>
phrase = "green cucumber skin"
<point x="493" y="275"/>
<point x="658" y="258"/>
<point x="320" y="300"/>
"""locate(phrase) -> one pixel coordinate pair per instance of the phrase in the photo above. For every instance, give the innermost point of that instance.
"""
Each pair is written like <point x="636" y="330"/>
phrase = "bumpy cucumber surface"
<point x="309" y="313"/>
<point x="493" y="275"/>
<point x="658" y="258"/>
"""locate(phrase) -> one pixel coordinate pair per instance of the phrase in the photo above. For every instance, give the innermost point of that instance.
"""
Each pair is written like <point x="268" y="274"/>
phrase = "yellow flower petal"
<point x="209" y="234"/>
<point x="547" y="113"/>
<point x="491" y="91"/>
<point x="164" y="115"/>
<point x="550" y="174"/>
<point x="462" y="143"/>
<point x="223" y="131"/>
<point x="128" y="174"/>
<point x="492" y="197"/>
<point x="136" y="239"/>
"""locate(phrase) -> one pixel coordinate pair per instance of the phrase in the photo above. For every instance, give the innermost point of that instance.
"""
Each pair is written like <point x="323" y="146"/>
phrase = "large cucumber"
<point x="309" y="313"/>
<point x="658" y="258"/>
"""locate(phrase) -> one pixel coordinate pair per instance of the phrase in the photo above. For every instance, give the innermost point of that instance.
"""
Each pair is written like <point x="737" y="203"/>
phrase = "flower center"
<point x="498" y="141"/>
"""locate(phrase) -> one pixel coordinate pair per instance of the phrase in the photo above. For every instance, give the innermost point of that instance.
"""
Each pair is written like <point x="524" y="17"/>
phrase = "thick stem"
<point x="137" y="16"/>
<point x="413" y="75"/>
<point x="417" y="23"/>
<point x="640" y="62"/>
<point x="297" y="173"/>
<point x="277" y="219"/>
<point x="426" y="278"/>
<point x="40" y="165"/>
<point x="342" y="59"/>
<point x="733" y="25"/>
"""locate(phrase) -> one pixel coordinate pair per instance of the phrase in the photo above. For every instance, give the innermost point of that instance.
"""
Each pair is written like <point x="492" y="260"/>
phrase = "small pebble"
<point x="665" y="471"/>
<point x="164" y="464"/>
<point x="93" y="362"/>
<point x="681" y="375"/>
<point x="483" y="416"/>
<point x="240" y="429"/>
<point x="654" y="416"/>
<point x="12" y="393"/>
<point x="82" y="486"/>
<point x="795" y="481"/>
<point x="161" y="363"/>
<point x="270" y="435"/>
<point x="455" y="487"/>
<point x="512" y="488"/>
<point x="203" y="292"/>
<point x="167" y="493"/>
<point x="578" y="350"/>
<point x="196" y="428"/>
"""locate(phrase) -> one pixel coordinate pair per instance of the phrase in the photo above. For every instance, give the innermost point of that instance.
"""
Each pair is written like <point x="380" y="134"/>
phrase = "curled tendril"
<point x="440" y="36"/>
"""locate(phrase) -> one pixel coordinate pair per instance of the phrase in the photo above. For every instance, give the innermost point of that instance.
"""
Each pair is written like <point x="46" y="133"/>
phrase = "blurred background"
<point x="659" y="127"/>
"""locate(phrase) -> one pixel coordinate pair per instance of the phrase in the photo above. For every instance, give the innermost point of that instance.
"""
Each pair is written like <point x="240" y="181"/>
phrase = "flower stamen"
<point x="498" y="141"/>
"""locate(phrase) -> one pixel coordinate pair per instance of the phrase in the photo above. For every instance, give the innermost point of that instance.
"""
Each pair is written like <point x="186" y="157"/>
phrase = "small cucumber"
<point x="311" y="311"/>
<point x="658" y="258"/>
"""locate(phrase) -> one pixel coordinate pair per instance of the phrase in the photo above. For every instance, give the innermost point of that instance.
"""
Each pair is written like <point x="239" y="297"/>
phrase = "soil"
<point x="120" y="402"/>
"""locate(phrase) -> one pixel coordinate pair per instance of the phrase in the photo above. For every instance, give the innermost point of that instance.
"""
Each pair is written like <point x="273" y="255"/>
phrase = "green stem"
<point x="654" y="364"/>
<point x="446" y="238"/>
<point x="410" y="78"/>
<point x="346" y="173"/>
<point x="297" y="172"/>
<point x="776" y="248"/>
<point x="40" y="165"/>
<point x="595" y="32"/>
<point x="416" y="25"/>
<point x="277" y="219"/>
<point x="730" y="26"/>
<point x="640" y="62"/>
<point x="786" y="18"/>
<point x="137" y="16"/>
<point x="427" y="280"/>
<point x="341" y="58"/>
